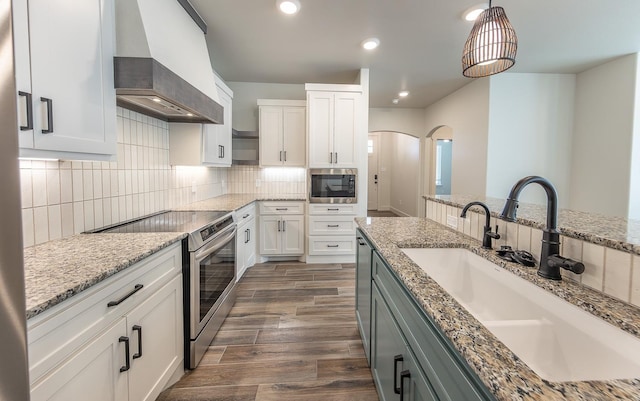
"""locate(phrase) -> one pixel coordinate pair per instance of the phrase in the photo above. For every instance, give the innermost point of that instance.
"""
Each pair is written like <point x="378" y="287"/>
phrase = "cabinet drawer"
<point x="244" y="215"/>
<point x="336" y="245"/>
<point x="332" y="225"/>
<point x="55" y="334"/>
<point x="332" y="209"/>
<point x="281" y="208"/>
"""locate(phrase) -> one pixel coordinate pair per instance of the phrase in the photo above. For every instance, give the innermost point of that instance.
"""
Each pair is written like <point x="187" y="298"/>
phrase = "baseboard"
<point x="399" y="212"/>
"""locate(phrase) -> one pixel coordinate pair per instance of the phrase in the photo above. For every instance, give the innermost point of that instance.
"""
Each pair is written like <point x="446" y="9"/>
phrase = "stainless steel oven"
<point x="208" y="270"/>
<point x="334" y="185"/>
<point x="211" y="277"/>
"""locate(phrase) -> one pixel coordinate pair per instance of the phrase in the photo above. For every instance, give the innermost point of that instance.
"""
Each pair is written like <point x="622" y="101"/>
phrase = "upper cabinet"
<point x="193" y="144"/>
<point x="334" y="119"/>
<point x="282" y="132"/>
<point x="64" y="77"/>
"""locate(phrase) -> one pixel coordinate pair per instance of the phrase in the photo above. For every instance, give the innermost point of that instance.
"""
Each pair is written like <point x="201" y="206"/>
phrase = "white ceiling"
<point x="420" y="41"/>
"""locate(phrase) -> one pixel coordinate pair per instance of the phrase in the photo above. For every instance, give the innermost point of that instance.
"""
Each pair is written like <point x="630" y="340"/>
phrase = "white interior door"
<point x="373" y="174"/>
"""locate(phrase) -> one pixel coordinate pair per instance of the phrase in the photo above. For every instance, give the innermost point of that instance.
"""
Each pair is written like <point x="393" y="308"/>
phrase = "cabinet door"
<point x="92" y="373"/>
<point x="270" y="229"/>
<point x="363" y="291"/>
<point x="392" y="363"/>
<point x="216" y="145"/>
<point x="320" y="128"/>
<point x="250" y="251"/>
<point x="271" y="136"/>
<point x="155" y="330"/>
<point x="346" y="129"/>
<point x="72" y="65"/>
<point x="292" y="235"/>
<point x="241" y="251"/>
<point x="294" y="132"/>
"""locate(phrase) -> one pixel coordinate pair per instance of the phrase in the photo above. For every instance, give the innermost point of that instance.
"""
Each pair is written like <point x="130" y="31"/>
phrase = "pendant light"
<point x="492" y="45"/>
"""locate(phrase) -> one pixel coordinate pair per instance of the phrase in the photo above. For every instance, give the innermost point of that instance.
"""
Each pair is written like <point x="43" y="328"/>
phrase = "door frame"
<point x="376" y="147"/>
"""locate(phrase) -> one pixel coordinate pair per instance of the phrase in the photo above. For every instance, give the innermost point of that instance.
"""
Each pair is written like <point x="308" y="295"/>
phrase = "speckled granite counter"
<point x="501" y="371"/>
<point x="231" y="202"/>
<point x="612" y="232"/>
<point x="57" y="270"/>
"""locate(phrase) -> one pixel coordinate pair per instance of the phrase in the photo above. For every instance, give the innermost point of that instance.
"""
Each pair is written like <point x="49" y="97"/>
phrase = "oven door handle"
<point x="219" y="243"/>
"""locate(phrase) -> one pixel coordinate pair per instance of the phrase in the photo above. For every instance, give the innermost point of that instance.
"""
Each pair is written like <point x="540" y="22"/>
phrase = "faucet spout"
<point x="550" y="259"/>
<point x="487" y="234"/>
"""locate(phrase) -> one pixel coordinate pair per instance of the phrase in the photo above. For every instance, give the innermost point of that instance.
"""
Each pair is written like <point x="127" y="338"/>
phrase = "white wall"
<point x="602" y="140"/>
<point x="634" y="180"/>
<point x="530" y="130"/>
<point x="466" y="111"/>
<point x="408" y="121"/>
<point x="246" y="95"/>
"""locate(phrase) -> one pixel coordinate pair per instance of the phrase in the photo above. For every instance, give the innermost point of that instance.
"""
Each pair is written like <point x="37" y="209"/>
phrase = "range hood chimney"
<point x="162" y="66"/>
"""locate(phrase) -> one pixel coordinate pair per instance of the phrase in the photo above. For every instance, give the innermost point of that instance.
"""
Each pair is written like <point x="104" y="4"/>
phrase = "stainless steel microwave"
<point x="333" y="185"/>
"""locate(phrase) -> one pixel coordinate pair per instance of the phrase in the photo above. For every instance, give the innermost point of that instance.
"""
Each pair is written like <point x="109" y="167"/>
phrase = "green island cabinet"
<point x="410" y="357"/>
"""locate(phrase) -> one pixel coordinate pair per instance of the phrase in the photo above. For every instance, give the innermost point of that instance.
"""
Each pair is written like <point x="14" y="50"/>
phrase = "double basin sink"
<point x="557" y="340"/>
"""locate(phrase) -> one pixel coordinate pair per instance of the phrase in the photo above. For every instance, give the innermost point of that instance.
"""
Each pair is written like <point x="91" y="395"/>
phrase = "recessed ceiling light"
<point x="157" y="100"/>
<point x="288" y="6"/>
<point x="395" y="101"/>
<point x="472" y="13"/>
<point x="403" y="94"/>
<point x="190" y="114"/>
<point x="371" y="43"/>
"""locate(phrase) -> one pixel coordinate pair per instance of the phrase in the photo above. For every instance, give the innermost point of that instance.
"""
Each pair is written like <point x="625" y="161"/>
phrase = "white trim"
<point x="281" y="102"/>
<point x="333" y="88"/>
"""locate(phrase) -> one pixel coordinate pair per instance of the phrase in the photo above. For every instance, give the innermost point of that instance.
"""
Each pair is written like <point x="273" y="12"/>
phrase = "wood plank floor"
<point x="291" y="335"/>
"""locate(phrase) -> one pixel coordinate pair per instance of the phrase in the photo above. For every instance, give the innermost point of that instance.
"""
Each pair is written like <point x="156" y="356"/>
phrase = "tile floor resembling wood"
<point x="376" y="213"/>
<point x="291" y="335"/>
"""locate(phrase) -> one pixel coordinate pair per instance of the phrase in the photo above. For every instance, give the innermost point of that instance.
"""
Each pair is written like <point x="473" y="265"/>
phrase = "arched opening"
<point x="393" y="174"/>
<point x="438" y="160"/>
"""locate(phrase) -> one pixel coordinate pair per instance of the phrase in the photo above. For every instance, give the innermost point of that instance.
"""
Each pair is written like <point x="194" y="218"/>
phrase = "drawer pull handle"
<point x="139" y="330"/>
<point x="333" y="225"/>
<point x="49" y="103"/>
<point x="246" y="215"/>
<point x="137" y="288"/>
<point x="396" y="359"/>
<point x="333" y="209"/>
<point x="282" y="208"/>
<point x="127" y="363"/>
<point x="333" y="246"/>
<point x="405" y="374"/>
<point x="29" y="105"/>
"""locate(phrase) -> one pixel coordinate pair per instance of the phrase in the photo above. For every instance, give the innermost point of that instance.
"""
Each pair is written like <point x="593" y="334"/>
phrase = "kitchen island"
<point x="503" y="373"/>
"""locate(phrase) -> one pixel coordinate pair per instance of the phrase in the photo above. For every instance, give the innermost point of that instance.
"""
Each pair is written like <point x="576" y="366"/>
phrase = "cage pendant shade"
<point x="492" y="45"/>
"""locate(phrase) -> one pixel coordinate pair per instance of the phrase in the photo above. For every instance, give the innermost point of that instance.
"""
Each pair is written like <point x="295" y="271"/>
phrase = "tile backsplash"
<point x="607" y="270"/>
<point x="62" y="198"/>
<point x="281" y="180"/>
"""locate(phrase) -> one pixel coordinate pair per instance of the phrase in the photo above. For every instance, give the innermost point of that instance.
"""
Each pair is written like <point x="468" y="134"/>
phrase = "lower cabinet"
<point x="245" y="239"/>
<point x="395" y="371"/>
<point x="281" y="227"/>
<point x="123" y="341"/>
<point x="363" y="290"/>
<point x="410" y="357"/>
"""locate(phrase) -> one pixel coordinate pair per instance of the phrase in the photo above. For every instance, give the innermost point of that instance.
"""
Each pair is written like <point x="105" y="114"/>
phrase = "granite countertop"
<point x="504" y="374"/>
<point x="613" y="232"/>
<point x="57" y="270"/>
<point x="232" y="202"/>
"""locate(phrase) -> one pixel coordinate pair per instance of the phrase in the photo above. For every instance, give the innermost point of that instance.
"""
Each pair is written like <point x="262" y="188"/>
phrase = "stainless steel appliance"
<point x="333" y="185"/>
<point x="14" y="375"/>
<point x="209" y="269"/>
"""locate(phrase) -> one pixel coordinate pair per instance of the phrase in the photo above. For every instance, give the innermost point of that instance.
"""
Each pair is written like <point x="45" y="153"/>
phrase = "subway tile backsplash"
<point x="607" y="270"/>
<point x="62" y="198"/>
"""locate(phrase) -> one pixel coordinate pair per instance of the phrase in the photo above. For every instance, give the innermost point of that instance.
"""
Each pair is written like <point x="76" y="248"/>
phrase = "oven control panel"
<point x="215" y="228"/>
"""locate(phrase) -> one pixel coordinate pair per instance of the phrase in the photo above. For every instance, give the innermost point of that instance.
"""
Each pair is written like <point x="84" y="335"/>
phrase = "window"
<point x="370" y="146"/>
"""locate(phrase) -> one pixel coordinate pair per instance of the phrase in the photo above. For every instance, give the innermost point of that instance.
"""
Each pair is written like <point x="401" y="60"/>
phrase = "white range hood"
<point x="162" y="64"/>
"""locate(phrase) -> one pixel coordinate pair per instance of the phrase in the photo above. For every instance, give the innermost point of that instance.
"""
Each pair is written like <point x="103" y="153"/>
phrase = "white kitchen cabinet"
<point x="282" y="133"/>
<point x="245" y="239"/>
<point x="333" y="125"/>
<point x="281" y="228"/>
<point x="203" y="144"/>
<point x="78" y="349"/>
<point x="64" y="78"/>
<point x="331" y="230"/>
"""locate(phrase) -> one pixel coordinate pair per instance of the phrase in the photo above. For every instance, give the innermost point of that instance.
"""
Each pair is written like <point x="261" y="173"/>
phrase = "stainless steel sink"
<point x="557" y="340"/>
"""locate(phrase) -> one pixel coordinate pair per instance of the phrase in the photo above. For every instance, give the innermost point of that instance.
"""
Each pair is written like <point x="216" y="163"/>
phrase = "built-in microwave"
<point x="333" y="185"/>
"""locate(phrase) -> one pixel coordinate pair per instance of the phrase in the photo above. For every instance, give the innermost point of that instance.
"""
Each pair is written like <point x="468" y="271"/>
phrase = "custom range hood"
<point x="162" y="66"/>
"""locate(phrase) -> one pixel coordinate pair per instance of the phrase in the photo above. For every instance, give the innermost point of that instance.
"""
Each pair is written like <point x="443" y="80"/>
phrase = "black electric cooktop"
<point x="173" y="221"/>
